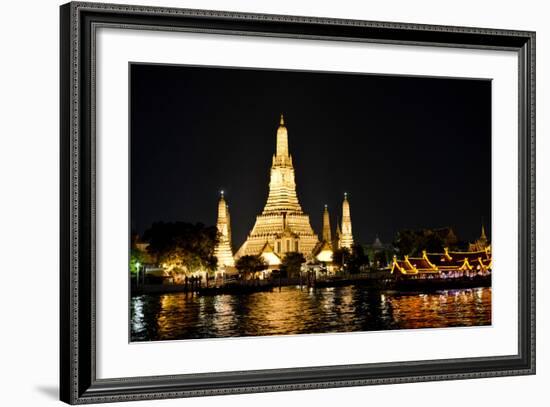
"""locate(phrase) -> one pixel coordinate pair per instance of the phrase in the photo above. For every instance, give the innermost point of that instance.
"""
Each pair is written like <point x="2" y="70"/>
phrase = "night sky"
<point x="411" y="152"/>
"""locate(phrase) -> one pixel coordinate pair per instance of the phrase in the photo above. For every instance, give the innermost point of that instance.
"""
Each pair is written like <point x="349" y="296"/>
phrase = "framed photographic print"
<point x="255" y="203"/>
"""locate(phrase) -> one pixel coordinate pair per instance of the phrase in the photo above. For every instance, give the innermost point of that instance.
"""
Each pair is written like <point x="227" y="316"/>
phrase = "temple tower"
<point x="326" y="226"/>
<point x="228" y="226"/>
<point x="346" y="239"/>
<point x="325" y="249"/>
<point x="338" y="237"/>
<point x="481" y="244"/>
<point x="282" y="186"/>
<point x="223" y="250"/>
<point x="282" y="223"/>
<point x="483" y="236"/>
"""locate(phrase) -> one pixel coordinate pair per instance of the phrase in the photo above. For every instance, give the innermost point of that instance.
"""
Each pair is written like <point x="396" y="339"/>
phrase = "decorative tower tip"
<point x="327" y="235"/>
<point x="346" y="239"/>
<point x="282" y="121"/>
<point x="483" y="235"/>
<point x="223" y="250"/>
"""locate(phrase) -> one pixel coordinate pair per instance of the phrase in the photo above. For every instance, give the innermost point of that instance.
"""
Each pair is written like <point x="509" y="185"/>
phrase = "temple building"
<point x="380" y="254"/>
<point x="338" y="236"/>
<point x="326" y="226"/>
<point x="346" y="236"/>
<point x="480" y="244"/>
<point x="448" y="264"/>
<point x="282" y="226"/>
<point x="272" y="260"/>
<point x="324" y="250"/>
<point x="223" y="250"/>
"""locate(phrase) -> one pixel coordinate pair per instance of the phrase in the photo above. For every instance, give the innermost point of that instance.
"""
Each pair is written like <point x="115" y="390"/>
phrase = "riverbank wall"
<point x="373" y="282"/>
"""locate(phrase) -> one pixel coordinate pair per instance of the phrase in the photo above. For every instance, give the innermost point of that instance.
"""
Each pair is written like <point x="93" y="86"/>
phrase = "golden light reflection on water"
<point x="449" y="308"/>
<point x="295" y="311"/>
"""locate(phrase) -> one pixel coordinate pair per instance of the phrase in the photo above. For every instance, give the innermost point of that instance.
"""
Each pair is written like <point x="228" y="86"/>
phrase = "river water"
<point x="294" y="311"/>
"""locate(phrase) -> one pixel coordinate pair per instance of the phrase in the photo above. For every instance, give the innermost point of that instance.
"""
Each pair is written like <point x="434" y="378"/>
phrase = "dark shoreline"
<point x="403" y="285"/>
<point x="413" y="284"/>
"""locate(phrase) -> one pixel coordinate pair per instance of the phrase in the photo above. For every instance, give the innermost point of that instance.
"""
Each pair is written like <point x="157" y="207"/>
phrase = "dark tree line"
<point x="250" y="264"/>
<point x="353" y="260"/>
<point x="183" y="247"/>
<point x="413" y="242"/>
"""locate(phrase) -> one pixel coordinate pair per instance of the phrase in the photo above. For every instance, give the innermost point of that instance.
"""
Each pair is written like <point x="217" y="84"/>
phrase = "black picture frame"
<point x="78" y="381"/>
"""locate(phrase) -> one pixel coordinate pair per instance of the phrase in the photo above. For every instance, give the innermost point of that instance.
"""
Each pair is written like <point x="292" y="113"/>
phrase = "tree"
<point x="248" y="265"/>
<point x="412" y="243"/>
<point x="381" y="258"/>
<point x="432" y="244"/>
<point x="340" y="257"/>
<point x="137" y="257"/>
<point x="183" y="248"/>
<point x="406" y="242"/>
<point x="357" y="259"/>
<point x="292" y="263"/>
<point x="350" y="260"/>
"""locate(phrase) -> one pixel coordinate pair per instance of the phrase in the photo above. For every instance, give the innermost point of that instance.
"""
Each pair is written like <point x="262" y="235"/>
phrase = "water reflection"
<point x="295" y="311"/>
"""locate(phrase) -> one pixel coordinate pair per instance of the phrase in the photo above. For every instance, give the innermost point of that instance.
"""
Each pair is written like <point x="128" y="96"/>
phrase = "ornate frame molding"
<point x="78" y="380"/>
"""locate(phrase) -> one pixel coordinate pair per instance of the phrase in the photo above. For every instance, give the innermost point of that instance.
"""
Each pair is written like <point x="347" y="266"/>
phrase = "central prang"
<point x="283" y="227"/>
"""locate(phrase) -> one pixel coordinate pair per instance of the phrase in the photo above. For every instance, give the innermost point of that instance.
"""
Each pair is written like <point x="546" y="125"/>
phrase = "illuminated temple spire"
<point x="346" y="239"/>
<point x="483" y="235"/>
<point x="228" y="227"/>
<point x="282" y="223"/>
<point x="326" y="226"/>
<point x="282" y="186"/>
<point x="337" y="238"/>
<point x="482" y="243"/>
<point x="282" y="139"/>
<point x="223" y="250"/>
